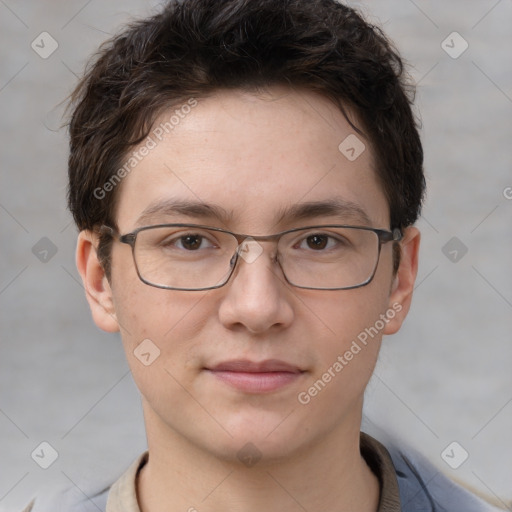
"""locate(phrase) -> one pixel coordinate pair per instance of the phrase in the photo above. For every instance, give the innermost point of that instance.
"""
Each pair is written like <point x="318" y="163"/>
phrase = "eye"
<point x="189" y="242"/>
<point x="318" y="242"/>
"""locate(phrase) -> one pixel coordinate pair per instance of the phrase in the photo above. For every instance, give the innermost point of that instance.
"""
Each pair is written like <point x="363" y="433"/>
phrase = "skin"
<point x="253" y="154"/>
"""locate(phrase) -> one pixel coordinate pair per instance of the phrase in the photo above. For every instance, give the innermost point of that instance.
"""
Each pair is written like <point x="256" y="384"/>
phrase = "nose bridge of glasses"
<point x="251" y="247"/>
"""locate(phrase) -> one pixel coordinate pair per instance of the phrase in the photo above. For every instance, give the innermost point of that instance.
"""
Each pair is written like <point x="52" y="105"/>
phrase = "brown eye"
<point x="188" y="242"/>
<point x="191" y="242"/>
<point x="322" y="242"/>
<point x="317" y="241"/>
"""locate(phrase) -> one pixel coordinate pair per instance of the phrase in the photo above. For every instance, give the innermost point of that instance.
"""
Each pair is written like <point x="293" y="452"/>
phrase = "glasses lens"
<point x="327" y="258"/>
<point x="184" y="257"/>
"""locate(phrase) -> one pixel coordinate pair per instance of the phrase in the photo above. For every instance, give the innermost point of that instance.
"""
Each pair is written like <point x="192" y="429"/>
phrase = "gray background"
<point x="445" y="377"/>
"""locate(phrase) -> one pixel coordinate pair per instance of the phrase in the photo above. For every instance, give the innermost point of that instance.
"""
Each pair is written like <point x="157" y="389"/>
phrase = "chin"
<point x="261" y="435"/>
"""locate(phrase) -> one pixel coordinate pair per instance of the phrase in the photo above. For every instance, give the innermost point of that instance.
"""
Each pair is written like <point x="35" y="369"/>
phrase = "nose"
<point x="257" y="296"/>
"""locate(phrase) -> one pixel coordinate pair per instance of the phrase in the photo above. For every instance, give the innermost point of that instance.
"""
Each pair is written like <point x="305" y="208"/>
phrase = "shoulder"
<point x="92" y="497"/>
<point x="425" y="488"/>
<point x="70" y="499"/>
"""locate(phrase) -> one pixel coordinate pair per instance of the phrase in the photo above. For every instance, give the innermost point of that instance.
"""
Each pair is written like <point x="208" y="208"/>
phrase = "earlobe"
<point x="97" y="287"/>
<point x="403" y="283"/>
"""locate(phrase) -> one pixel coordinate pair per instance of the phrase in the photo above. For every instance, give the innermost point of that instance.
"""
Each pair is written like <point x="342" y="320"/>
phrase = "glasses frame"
<point x="384" y="236"/>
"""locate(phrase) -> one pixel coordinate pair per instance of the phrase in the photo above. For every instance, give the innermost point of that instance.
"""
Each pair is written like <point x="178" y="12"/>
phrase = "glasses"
<point x="193" y="257"/>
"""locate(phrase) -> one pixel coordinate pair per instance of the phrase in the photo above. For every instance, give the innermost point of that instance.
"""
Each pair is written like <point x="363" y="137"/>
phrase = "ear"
<point x="403" y="282"/>
<point x="97" y="287"/>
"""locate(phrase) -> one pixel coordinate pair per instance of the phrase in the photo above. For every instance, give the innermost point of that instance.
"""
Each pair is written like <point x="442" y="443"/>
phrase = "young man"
<point x="245" y="176"/>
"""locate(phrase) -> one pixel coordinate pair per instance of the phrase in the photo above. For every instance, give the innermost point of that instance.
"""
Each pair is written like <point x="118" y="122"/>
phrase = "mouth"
<point x="256" y="377"/>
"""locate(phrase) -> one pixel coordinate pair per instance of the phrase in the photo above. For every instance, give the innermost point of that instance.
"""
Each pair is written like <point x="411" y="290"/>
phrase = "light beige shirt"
<point x="123" y="494"/>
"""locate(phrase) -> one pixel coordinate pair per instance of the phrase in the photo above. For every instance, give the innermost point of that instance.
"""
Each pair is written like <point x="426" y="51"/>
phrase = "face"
<point x="255" y="156"/>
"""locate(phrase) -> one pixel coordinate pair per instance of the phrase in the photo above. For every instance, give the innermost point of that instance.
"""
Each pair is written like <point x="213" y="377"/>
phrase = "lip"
<point x="256" y="377"/>
<point x="247" y="366"/>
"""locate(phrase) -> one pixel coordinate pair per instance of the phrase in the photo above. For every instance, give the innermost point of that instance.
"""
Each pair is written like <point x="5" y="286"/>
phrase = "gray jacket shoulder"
<point x="70" y="499"/>
<point x="423" y="488"/>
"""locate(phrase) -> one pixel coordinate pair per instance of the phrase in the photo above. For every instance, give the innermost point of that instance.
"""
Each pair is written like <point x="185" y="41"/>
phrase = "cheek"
<point x="154" y="321"/>
<point x="161" y="334"/>
<point x="171" y="319"/>
<point x="343" y="315"/>
<point x="351" y="324"/>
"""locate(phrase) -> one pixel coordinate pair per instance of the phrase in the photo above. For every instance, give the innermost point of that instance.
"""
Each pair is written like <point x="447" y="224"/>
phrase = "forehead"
<point x="254" y="157"/>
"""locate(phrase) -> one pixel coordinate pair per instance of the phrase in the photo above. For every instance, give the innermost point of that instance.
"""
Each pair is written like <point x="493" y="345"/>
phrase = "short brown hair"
<point x="194" y="47"/>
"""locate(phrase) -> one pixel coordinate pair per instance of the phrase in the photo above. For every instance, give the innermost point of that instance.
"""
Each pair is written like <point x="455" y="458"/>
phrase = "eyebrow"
<point x="177" y="207"/>
<point x="333" y="207"/>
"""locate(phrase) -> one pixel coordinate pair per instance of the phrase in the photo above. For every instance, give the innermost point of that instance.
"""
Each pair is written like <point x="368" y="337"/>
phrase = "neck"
<point x="180" y="476"/>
